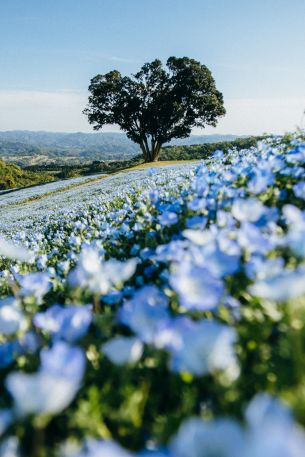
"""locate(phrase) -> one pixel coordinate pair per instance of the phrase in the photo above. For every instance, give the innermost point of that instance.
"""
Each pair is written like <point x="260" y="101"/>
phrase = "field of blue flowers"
<point x="163" y="317"/>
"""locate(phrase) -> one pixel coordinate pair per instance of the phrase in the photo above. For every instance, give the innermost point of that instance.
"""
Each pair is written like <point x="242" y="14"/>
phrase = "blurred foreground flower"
<point x="14" y="252"/>
<point x="53" y="387"/>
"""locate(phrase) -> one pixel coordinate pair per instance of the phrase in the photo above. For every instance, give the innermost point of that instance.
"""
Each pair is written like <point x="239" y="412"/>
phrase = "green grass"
<point x="12" y="176"/>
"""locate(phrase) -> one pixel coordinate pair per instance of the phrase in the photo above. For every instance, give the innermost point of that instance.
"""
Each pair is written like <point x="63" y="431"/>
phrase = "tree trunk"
<point x="156" y="152"/>
<point x="148" y="151"/>
<point x="142" y="146"/>
<point x="150" y="154"/>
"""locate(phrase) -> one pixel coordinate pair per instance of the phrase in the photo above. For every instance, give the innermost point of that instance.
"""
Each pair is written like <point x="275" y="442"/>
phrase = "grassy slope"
<point x="13" y="176"/>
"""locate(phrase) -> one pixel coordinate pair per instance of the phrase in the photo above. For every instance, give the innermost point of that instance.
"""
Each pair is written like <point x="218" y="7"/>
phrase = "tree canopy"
<point x="156" y="104"/>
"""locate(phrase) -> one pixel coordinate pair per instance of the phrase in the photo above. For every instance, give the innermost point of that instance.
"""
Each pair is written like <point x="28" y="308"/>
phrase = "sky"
<point x="50" y="49"/>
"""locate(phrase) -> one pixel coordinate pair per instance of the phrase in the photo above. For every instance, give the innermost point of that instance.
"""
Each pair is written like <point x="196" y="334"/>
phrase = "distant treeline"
<point x="193" y="152"/>
<point x="203" y="151"/>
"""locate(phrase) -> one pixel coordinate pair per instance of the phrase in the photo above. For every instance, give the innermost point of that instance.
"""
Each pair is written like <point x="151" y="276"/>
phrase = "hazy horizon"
<point x="119" y="132"/>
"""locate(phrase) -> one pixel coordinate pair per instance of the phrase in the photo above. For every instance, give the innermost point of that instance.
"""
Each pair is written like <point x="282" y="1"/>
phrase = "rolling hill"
<point x="34" y="148"/>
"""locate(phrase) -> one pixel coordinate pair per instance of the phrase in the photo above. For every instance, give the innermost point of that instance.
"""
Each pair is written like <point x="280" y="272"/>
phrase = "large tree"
<point x="156" y="104"/>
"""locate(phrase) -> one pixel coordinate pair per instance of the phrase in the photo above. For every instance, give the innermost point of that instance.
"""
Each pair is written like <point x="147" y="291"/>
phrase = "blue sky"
<point x="49" y="50"/>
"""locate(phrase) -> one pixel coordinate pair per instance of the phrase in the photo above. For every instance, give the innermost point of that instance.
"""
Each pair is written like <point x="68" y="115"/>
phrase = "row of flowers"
<point x="164" y="317"/>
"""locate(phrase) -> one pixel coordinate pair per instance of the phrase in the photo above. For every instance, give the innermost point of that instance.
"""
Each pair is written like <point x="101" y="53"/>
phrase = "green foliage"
<point x="13" y="176"/>
<point x="204" y="151"/>
<point x="156" y="104"/>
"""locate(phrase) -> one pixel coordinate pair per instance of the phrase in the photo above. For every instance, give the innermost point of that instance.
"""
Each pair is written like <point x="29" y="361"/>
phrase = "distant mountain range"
<point x="27" y="147"/>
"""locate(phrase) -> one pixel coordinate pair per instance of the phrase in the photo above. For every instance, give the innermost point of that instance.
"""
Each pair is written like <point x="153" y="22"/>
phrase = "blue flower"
<point x="63" y="360"/>
<point x="249" y="209"/>
<point x="53" y="387"/>
<point x="299" y="189"/>
<point x="197" y="289"/>
<point x="145" y="312"/>
<point x="29" y="343"/>
<point x="218" y="154"/>
<point x="121" y="350"/>
<point x="296" y="155"/>
<point x="196" y="222"/>
<point x="272" y="431"/>
<point x="9" y="447"/>
<point x="114" y="297"/>
<point x="35" y="284"/>
<point x="282" y="286"/>
<point x="198" y="438"/>
<point x="259" y="267"/>
<point x="216" y="260"/>
<point x="201" y="347"/>
<point x="6" y="418"/>
<point x="99" y="276"/>
<point x="197" y="204"/>
<point x="40" y="393"/>
<point x="252" y="240"/>
<point x="262" y="178"/>
<point x="11" y="317"/>
<point x="69" y="323"/>
<point x="8" y="352"/>
<point x="168" y="218"/>
<point x="99" y="448"/>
